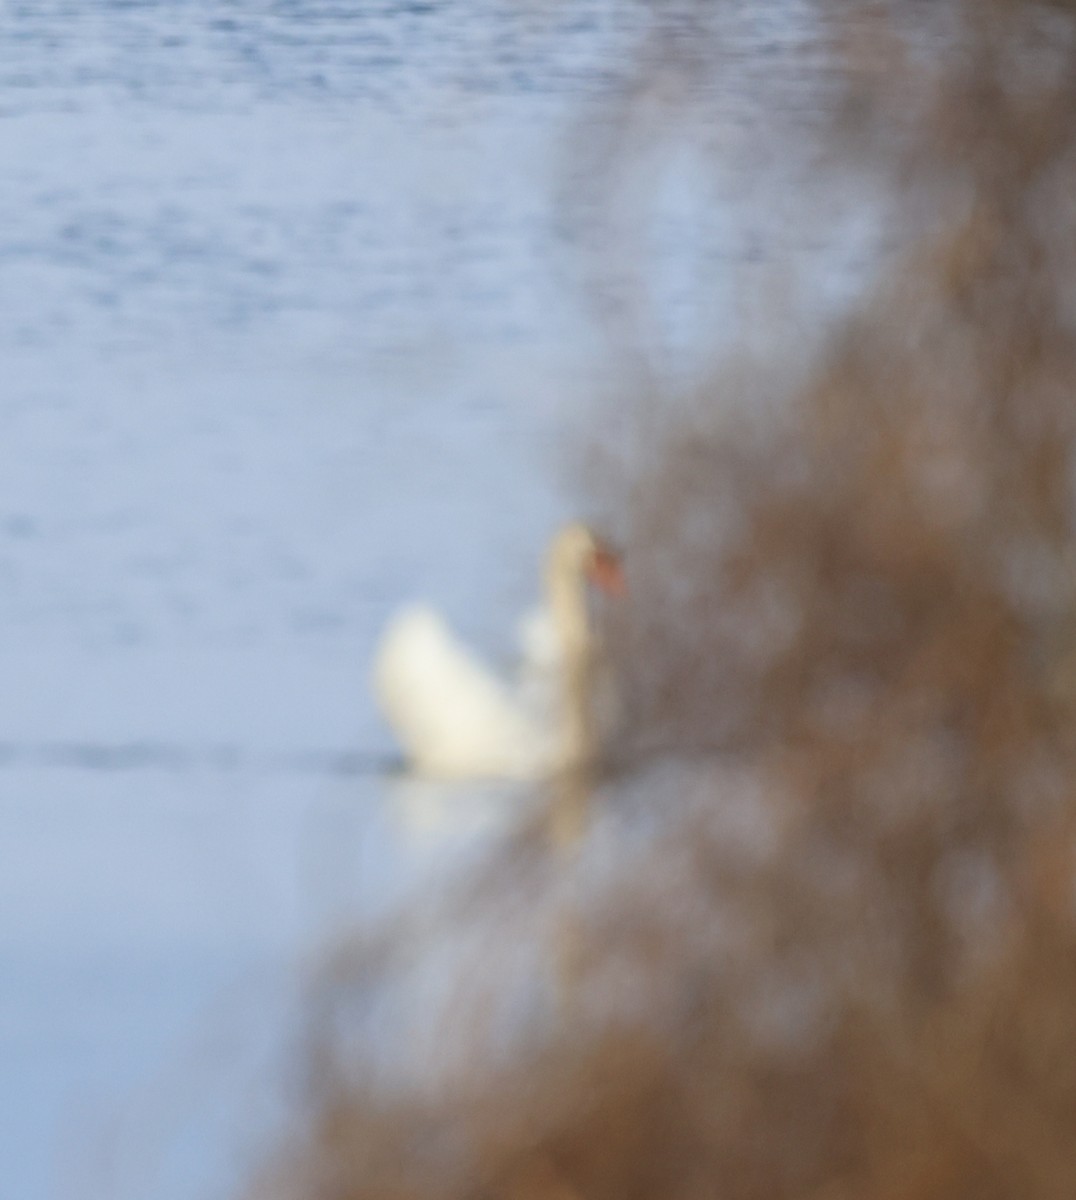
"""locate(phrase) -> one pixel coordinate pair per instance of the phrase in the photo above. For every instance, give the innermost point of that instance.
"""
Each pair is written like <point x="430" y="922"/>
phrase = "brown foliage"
<point x="842" y="963"/>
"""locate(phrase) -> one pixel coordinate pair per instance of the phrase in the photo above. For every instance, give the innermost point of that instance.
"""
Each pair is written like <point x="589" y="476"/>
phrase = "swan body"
<point x="454" y="717"/>
<point x="457" y="720"/>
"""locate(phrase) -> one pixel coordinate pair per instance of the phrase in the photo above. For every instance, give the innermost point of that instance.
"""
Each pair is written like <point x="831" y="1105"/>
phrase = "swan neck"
<point x="567" y="597"/>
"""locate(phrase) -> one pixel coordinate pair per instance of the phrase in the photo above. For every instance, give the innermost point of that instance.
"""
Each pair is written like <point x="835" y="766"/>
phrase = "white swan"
<point x="456" y="720"/>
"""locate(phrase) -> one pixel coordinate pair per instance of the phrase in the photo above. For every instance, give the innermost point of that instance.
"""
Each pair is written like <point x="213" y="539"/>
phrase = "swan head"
<point x="578" y="555"/>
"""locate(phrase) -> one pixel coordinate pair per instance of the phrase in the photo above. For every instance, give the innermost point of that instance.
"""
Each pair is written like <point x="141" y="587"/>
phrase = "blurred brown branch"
<point x="843" y="965"/>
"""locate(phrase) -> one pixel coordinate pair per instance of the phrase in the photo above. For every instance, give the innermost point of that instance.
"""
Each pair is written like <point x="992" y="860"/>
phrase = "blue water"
<point x="280" y="343"/>
<point x="293" y="329"/>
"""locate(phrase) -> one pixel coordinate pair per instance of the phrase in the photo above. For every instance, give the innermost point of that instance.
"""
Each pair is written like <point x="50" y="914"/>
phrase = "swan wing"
<point x="452" y="715"/>
<point x="541" y="666"/>
<point x="540" y="646"/>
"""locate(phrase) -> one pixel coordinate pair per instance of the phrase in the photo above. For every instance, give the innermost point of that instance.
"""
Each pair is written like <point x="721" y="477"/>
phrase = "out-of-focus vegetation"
<point x="843" y="962"/>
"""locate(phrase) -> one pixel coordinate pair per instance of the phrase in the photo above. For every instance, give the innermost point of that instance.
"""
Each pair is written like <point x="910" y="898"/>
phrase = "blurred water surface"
<point x="288" y="335"/>
<point x="280" y="349"/>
